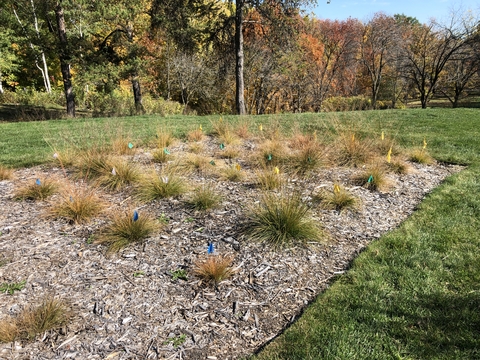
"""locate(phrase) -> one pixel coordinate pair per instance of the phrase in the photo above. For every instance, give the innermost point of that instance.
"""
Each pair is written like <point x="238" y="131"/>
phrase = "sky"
<point x="423" y="10"/>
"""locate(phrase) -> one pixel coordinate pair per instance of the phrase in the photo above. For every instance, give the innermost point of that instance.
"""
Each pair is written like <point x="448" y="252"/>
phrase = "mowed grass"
<point x="412" y="294"/>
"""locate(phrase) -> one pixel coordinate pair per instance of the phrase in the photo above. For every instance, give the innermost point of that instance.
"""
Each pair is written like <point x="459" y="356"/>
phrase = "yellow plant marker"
<point x="260" y="127"/>
<point x="424" y="144"/>
<point x="238" y="167"/>
<point x="383" y="136"/>
<point x="389" y="155"/>
<point x="336" y="188"/>
<point x="276" y="170"/>
<point x="353" y="137"/>
<point x="200" y="128"/>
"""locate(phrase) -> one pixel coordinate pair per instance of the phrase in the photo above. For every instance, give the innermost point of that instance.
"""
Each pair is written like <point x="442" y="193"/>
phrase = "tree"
<point x="427" y="51"/>
<point x="380" y="36"/>
<point x="285" y="7"/>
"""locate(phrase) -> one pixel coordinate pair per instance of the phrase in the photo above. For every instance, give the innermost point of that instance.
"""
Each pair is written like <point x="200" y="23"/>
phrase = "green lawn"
<point x="413" y="294"/>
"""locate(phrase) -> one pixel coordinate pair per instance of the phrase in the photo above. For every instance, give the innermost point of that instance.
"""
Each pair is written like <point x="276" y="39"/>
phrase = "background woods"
<point x="211" y="56"/>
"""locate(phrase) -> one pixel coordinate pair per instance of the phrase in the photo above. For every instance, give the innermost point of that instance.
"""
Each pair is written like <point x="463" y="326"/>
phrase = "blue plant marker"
<point x="211" y="249"/>
<point x="370" y="179"/>
<point x="212" y="162"/>
<point x="269" y="157"/>
<point x="130" y="145"/>
<point x="38" y="182"/>
<point x="135" y="215"/>
<point x="71" y="199"/>
<point x="166" y="151"/>
<point x="222" y="146"/>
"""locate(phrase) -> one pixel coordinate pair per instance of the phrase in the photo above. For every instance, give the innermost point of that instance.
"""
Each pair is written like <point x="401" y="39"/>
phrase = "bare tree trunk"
<point x="137" y="94"/>
<point x="64" y="60"/>
<point x="43" y="69"/>
<point x="239" y="65"/>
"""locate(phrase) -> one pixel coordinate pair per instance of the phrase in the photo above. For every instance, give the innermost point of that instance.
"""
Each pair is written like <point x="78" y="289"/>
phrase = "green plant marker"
<point x="269" y="157"/>
<point x="370" y="179"/>
<point x="309" y="159"/>
<point x="130" y="145"/>
<point x="166" y="151"/>
<point x="222" y="146"/>
<point x="212" y="163"/>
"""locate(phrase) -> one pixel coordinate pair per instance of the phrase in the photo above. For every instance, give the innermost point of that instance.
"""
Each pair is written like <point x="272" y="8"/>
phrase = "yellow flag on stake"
<point x="383" y="136"/>
<point x="276" y="170"/>
<point x="424" y="143"/>
<point x="336" y="188"/>
<point x="260" y="127"/>
<point x="200" y="128"/>
<point x="238" y="167"/>
<point x="389" y="155"/>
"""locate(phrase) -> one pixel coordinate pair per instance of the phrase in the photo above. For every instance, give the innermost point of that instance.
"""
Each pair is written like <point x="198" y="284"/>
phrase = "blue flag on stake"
<point x="38" y="182"/>
<point x="211" y="249"/>
<point x="130" y="145"/>
<point x="135" y="215"/>
<point x="370" y="179"/>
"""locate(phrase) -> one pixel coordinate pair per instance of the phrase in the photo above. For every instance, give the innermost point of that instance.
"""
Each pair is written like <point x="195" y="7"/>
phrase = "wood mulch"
<point x="128" y="306"/>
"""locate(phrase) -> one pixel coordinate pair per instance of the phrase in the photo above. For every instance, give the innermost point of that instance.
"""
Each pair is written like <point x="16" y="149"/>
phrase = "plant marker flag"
<point x="38" y="182"/>
<point x="389" y="155"/>
<point x="336" y="188"/>
<point x="211" y="249"/>
<point x="276" y="170"/>
<point x="424" y="144"/>
<point x="135" y="215"/>
<point x="130" y="145"/>
<point x="370" y="179"/>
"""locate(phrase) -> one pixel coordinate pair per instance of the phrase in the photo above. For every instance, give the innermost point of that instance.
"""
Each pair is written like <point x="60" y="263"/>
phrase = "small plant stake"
<point x="222" y="146"/>
<point x="135" y="215"/>
<point x="336" y="188"/>
<point x="389" y="155"/>
<point x="269" y="157"/>
<point x="165" y="179"/>
<point x="211" y="248"/>
<point x="238" y="167"/>
<point x="166" y="152"/>
<point x="276" y="170"/>
<point x="114" y="172"/>
<point x="260" y="127"/>
<point x="370" y="179"/>
<point x="383" y="136"/>
<point x="130" y="145"/>
<point x="200" y="128"/>
<point x="424" y="143"/>
<point x="38" y="182"/>
<point x="212" y="162"/>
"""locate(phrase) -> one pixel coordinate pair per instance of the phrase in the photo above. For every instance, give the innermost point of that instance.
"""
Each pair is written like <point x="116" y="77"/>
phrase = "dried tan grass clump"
<point x="350" y="150"/>
<point x="339" y="199"/>
<point x="421" y="156"/>
<point x="5" y="173"/>
<point x="214" y="268"/>
<point x="51" y="313"/>
<point x="78" y="205"/>
<point x="39" y="189"/>
<point x="374" y="177"/>
<point x="161" y="186"/>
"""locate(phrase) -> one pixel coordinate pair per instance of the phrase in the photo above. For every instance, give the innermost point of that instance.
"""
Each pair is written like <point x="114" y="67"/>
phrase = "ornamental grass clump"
<point x="37" y="190"/>
<point x="5" y="173"/>
<point x="271" y="153"/>
<point x="204" y="198"/>
<point x="32" y="321"/>
<point x="339" y="199"/>
<point x="214" y="268"/>
<point x="421" y="156"/>
<point x="307" y="158"/>
<point x="233" y="173"/>
<point x="352" y="151"/>
<point x="126" y="228"/>
<point x="282" y="219"/>
<point x="165" y="185"/>
<point x="196" y="135"/>
<point x="78" y="205"/>
<point x="269" y="179"/>
<point x="374" y="177"/>
<point x="117" y="173"/>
